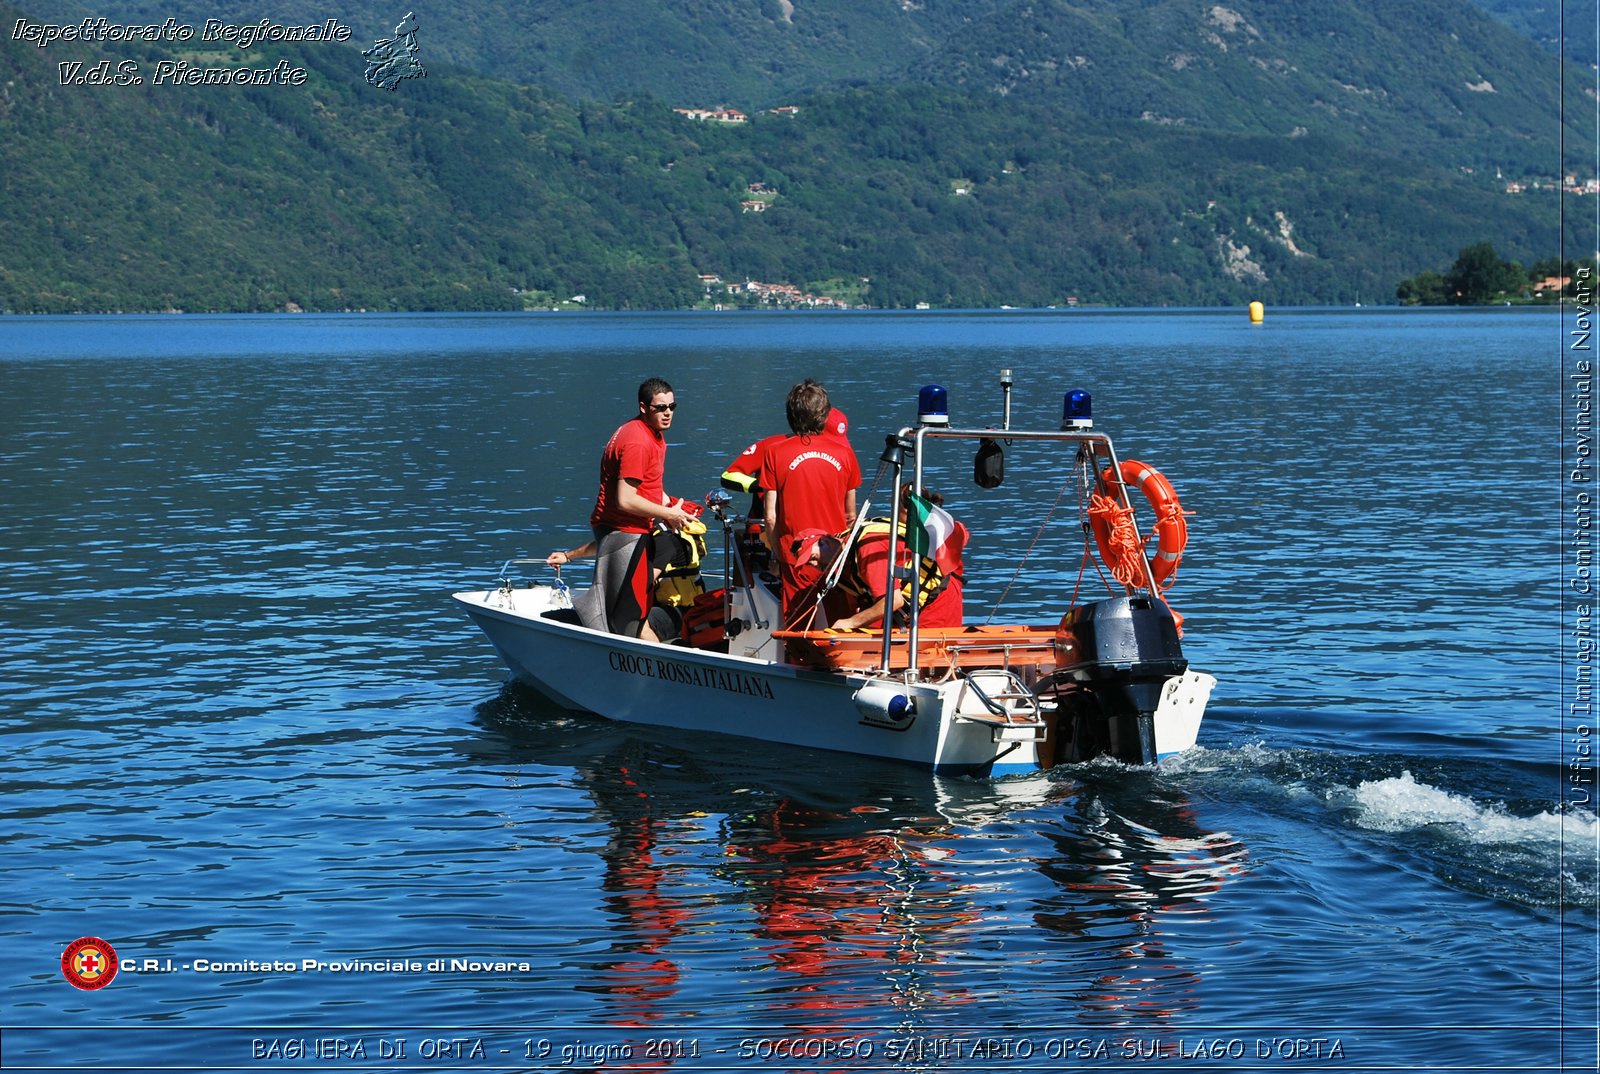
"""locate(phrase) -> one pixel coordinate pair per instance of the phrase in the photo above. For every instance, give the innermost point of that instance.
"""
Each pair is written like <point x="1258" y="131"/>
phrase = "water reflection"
<point x="639" y="976"/>
<point x="1129" y="859"/>
<point x="839" y="899"/>
<point x="832" y="894"/>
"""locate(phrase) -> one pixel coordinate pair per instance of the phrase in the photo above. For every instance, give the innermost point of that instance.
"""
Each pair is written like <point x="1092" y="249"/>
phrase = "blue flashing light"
<point x="1077" y="410"/>
<point x="933" y="406"/>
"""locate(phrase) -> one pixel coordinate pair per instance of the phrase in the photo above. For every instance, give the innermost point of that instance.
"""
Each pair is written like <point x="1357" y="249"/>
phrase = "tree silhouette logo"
<point x="391" y="60"/>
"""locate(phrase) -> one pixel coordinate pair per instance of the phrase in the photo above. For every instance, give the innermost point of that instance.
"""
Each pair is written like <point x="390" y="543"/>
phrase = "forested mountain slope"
<point x="1196" y="155"/>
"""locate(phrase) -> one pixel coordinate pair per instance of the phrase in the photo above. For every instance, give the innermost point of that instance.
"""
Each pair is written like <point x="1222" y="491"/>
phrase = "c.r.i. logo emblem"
<point x="89" y="963"/>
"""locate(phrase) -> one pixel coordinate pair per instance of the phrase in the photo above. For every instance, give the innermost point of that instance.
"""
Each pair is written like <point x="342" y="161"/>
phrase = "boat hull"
<point x="936" y="725"/>
<point x="671" y="686"/>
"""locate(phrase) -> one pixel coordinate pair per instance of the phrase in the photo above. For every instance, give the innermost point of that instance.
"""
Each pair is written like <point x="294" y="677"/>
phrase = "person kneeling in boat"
<point x="948" y="540"/>
<point x="628" y="506"/>
<point x="865" y="577"/>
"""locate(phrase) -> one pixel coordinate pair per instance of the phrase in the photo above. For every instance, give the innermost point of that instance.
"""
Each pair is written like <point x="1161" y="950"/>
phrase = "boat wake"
<point x="1401" y="804"/>
<point x="1478" y="826"/>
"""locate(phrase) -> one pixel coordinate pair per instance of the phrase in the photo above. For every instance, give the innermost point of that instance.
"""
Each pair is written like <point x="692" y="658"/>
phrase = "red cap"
<point x="803" y="545"/>
<point x="838" y="424"/>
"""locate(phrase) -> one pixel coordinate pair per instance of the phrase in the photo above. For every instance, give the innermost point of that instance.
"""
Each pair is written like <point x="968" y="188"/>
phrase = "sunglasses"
<point x="663" y="408"/>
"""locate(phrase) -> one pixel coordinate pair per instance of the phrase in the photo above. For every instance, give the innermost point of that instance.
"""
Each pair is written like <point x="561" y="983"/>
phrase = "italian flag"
<point x="929" y="529"/>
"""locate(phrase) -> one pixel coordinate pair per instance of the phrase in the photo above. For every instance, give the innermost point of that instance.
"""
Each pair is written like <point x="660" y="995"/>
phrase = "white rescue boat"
<point x="1109" y="678"/>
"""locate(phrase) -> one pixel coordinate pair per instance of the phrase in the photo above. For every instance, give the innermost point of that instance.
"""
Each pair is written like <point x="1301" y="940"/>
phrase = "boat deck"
<point x="938" y="648"/>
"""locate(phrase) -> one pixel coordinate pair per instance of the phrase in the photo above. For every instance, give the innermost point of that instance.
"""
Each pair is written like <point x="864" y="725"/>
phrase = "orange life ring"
<point x="1172" y="531"/>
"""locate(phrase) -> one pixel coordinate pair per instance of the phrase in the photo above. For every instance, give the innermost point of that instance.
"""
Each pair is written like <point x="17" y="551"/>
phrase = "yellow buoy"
<point x="1257" y="311"/>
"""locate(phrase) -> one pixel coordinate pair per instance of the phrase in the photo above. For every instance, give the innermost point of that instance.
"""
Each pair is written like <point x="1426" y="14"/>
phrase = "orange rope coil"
<point x="1118" y="538"/>
<point x="1120" y="545"/>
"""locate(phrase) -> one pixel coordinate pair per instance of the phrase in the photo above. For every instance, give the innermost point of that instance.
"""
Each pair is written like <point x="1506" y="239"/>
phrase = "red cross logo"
<point x="89" y="963"/>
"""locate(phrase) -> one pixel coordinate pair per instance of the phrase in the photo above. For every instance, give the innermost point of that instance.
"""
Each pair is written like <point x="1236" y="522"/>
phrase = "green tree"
<point x="1480" y="277"/>
<point x="1423" y="289"/>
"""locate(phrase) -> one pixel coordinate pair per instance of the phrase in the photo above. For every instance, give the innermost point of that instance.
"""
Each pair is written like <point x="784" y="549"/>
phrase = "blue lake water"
<point x="249" y="743"/>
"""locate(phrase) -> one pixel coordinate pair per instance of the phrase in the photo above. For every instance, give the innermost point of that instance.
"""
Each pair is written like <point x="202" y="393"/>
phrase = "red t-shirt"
<point x="749" y="460"/>
<point x="872" y="567"/>
<point x="872" y="564"/>
<point x="945" y="609"/>
<point x="635" y="452"/>
<point x="811" y="475"/>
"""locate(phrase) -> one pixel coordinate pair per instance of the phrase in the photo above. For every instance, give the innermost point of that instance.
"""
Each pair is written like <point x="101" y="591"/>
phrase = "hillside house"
<point x="714" y="115"/>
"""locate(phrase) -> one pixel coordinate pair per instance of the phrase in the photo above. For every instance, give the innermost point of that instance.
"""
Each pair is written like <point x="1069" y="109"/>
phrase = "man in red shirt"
<point x="810" y="478"/>
<point x="741" y="476"/>
<point x="628" y="505"/>
<point x="742" y="473"/>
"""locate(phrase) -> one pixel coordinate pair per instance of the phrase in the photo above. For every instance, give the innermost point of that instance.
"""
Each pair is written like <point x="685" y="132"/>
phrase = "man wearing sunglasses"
<point x="628" y="506"/>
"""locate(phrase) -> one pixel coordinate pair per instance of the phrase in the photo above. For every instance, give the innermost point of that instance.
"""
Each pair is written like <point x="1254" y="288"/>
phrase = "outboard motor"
<point x="1113" y="658"/>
